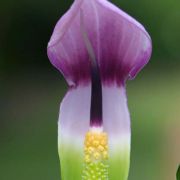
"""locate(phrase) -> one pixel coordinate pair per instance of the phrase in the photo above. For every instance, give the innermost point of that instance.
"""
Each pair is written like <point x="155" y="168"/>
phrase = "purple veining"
<point x="121" y="45"/>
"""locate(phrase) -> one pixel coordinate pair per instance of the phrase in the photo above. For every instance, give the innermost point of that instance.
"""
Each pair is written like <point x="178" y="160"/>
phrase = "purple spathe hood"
<point x="121" y="45"/>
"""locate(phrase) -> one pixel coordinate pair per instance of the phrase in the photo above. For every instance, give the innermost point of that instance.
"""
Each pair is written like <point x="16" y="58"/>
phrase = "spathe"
<point x="121" y="47"/>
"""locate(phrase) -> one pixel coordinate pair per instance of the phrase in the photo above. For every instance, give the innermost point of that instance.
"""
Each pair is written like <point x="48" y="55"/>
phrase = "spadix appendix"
<point x="97" y="47"/>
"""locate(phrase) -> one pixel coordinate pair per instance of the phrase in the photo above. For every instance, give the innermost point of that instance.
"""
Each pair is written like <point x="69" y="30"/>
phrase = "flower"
<point x="97" y="47"/>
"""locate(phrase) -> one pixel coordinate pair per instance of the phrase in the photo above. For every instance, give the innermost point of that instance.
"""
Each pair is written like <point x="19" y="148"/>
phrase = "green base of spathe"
<point x="73" y="166"/>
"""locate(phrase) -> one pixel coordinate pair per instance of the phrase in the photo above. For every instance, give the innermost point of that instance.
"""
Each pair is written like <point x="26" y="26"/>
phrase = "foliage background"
<point x="31" y="90"/>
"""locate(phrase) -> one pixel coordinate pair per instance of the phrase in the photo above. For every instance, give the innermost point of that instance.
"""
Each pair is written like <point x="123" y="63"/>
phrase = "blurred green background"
<point x="31" y="90"/>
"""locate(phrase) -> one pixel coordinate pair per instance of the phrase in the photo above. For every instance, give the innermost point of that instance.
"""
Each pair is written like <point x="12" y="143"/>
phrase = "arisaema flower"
<point x="97" y="47"/>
